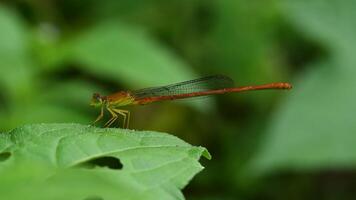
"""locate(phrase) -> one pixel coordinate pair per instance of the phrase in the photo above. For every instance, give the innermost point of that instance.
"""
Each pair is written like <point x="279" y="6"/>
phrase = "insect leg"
<point x="124" y="114"/>
<point x="100" y="116"/>
<point x="128" y="117"/>
<point x="113" y="119"/>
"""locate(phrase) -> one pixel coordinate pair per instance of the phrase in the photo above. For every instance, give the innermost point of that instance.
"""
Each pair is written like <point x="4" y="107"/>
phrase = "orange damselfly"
<point x="211" y="85"/>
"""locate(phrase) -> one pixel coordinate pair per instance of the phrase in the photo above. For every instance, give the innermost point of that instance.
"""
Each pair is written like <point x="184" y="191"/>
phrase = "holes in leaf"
<point x="105" y="161"/>
<point x="4" y="156"/>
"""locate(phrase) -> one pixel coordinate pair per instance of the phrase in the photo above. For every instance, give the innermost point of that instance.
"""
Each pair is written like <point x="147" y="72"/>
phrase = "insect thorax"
<point x="120" y="99"/>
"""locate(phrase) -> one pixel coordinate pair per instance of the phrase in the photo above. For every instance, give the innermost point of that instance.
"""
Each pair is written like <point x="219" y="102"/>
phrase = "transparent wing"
<point x="197" y="85"/>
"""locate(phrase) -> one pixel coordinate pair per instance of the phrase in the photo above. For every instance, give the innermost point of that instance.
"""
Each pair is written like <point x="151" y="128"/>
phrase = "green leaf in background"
<point x="61" y="102"/>
<point x="244" y="45"/>
<point x="15" y="64"/>
<point x="127" y="55"/>
<point x="23" y="92"/>
<point x="305" y="133"/>
<point x="315" y="127"/>
<point x="328" y="21"/>
<point x="72" y="93"/>
<point x="155" y="165"/>
<point x="243" y="35"/>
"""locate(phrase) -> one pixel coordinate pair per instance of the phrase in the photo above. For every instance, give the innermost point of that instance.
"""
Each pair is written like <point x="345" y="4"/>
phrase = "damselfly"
<point x="210" y="85"/>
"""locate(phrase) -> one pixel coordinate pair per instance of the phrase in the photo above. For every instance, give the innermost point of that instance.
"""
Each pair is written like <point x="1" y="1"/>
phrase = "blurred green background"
<point x="299" y="144"/>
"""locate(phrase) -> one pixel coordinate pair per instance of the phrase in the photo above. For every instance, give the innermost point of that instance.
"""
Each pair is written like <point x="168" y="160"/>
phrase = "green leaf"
<point x="127" y="55"/>
<point x="155" y="165"/>
<point x="314" y="128"/>
<point x="29" y="181"/>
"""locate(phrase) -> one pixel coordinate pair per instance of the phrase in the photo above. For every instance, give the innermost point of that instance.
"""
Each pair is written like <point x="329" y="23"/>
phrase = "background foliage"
<point x="266" y="145"/>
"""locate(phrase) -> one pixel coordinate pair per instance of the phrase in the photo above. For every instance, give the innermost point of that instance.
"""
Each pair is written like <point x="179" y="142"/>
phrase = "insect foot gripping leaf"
<point x="71" y="161"/>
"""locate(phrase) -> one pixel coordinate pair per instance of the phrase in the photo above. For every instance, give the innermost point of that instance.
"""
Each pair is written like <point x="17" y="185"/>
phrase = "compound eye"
<point x="96" y="96"/>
